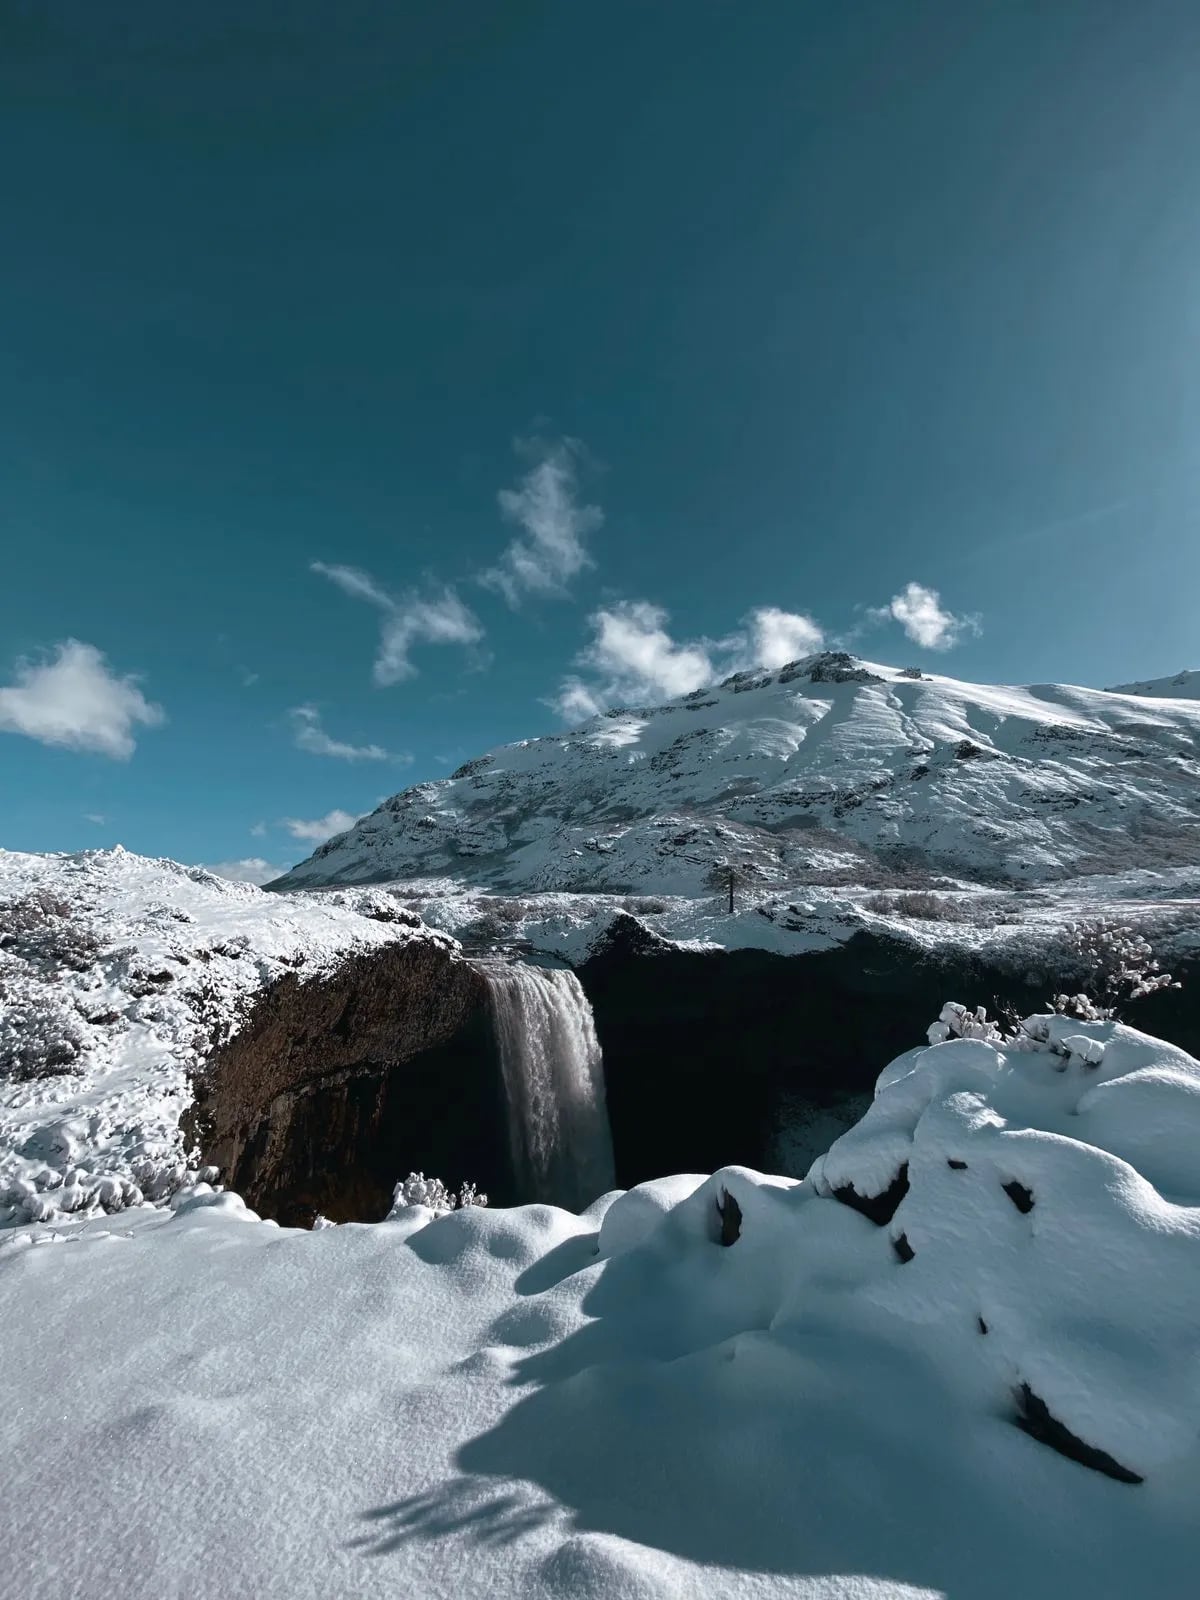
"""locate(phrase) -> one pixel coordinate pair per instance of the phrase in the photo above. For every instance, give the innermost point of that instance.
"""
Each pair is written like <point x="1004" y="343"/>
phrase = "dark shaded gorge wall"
<point x="703" y="1051"/>
<point x="336" y="1087"/>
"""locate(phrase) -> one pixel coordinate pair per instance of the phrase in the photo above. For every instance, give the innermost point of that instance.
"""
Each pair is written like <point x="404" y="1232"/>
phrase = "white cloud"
<point x="259" y="830"/>
<point x="576" y="702"/>
<point x="94" y="816"/>
<point x="634" y="658"/>
<point x="438" y="617"/>
<point x="545" y="507"/>
<point x="920" y="612"/>
<point x="320" y="828"/>
<point x="777" y="637"/>
<point x="252" y="869"/>
<point x="635" y="654"/>
<point x="76" y="701"/>
<point x="311" y="736"/>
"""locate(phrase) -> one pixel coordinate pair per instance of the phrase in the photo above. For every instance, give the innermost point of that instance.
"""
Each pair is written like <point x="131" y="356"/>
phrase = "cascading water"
<point x="554" y="1079"/>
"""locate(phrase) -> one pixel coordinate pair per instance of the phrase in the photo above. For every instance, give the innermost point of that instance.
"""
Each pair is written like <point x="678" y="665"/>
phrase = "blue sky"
<point x="380" y="383"/>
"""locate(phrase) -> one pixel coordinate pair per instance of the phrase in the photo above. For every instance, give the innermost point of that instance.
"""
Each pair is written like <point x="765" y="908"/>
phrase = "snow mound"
<point x="701" y="1389"/>
<point x="118" y="975"/>
<point x="1047" y="1190"/>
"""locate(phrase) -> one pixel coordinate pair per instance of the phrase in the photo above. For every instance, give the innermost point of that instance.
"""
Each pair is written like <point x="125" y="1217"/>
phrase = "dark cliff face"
<point x="704" y="1053"/>
<point x="336" y="1088"/>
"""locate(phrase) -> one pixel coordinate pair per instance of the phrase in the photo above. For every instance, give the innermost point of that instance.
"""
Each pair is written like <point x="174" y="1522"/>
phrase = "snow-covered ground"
<point x="829" y="771"/>
<point x="117" y="976"/>
<point x="951" y="913"/>
<point x="617" y="1406"/>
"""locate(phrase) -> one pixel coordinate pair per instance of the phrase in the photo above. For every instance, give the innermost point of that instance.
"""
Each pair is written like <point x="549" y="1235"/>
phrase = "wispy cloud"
<point x="75" y="700"/>
<point x="436" y="617"/>
<point x="309" y="734"/>
<point x="550" y="551"/>
<point x="920" y="612"/>
<point x="777" y="637"/>
<point x="94" y="816"/>
<point x="633" y="656"/>
<point x="259" y="830"/>
<point x="320" y="828"/>
<point x="252" y="869"/>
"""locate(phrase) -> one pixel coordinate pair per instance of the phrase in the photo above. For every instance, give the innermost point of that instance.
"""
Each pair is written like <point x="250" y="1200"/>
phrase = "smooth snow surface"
<point x="828" y="770"/>
<point x="128" y="971"/>
<point x="554" y="1080"/>
<point x="531" y="1404"/>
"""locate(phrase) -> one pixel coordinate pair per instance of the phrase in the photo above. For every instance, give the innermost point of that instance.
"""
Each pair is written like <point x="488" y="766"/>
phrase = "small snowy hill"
<point x="792" y="774"/>
<point x="118" y="974"/>
<point x="1183" y="686"/>
<point x="706" y="1388"/>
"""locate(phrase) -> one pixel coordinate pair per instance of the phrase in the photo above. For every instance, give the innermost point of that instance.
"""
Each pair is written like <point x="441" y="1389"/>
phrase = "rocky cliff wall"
<point x="337" y="1087"/>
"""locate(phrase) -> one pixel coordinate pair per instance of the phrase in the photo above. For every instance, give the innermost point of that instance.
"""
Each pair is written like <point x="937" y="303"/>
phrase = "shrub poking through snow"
<point x="920" y="905"/>
<point x="1116" y="963"/>
<point x="42" y="927"/>
<point x="40" y="1037"/>
<point x="418" y="1190"/>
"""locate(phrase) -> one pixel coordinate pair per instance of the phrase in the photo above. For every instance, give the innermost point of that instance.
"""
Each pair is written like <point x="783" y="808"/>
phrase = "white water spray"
<point x="551" y="1061"/>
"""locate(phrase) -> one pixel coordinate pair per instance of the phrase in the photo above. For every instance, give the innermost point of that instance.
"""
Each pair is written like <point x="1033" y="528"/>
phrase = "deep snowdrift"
<point x="118" y="974"/>
<point x="830" y="770"/>
<point x="526" y="1403"/>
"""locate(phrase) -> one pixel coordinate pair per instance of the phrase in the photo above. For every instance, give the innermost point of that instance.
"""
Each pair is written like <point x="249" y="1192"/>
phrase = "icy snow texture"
<point x="529" y="1404"/>
<point x="146" y="964"/>
<point x="790" y="772"/>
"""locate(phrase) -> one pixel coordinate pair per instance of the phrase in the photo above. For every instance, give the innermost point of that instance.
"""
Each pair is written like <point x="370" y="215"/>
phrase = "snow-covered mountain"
<point x="118" y="975"/>
<point x="828" y="764"/>
<point x="1183" y="686"/>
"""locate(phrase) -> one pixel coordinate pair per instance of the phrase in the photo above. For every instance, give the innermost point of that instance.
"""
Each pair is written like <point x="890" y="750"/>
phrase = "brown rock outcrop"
<point x="336" y="1087"/>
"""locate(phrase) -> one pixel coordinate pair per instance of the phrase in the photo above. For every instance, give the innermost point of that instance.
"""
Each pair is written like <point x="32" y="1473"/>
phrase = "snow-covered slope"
<point x="1183" y="686"/>
<point x="703" y="1389"/>
<point x="826" y="765"/>
<point x="117" y="976"/>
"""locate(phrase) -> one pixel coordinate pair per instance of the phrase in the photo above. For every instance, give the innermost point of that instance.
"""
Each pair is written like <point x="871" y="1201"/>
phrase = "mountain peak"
<point x="827" y="763"/>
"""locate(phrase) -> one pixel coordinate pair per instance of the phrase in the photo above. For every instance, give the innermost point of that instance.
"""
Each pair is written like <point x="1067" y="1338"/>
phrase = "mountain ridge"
<point x="790" y="772"/>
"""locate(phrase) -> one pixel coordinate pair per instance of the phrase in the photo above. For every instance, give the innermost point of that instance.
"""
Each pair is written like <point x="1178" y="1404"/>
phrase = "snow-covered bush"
<point x="1113" y="962"/>
<point x="418" y="1190"/>
<point x="43" y="927"/>
<point x="919" y="904"/>
<point x="959" y="1022"/>
<point x="40" y="1036"/>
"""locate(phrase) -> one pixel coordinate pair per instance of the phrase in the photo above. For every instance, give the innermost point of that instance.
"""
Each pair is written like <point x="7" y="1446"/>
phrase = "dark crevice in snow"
<point x="730" y="1214"/>
<point x="959" y="1166"/>
<point x="904" y="1251"/>
<point x="983" y="1327"/>
<point x="880" y="1208"/>
<point x="1034" y="1418"/>
<point x="1020" y="1196"/>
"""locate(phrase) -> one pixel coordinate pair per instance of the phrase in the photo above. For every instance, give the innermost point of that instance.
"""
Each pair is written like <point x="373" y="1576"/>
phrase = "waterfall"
<point x="554" y="1081"/>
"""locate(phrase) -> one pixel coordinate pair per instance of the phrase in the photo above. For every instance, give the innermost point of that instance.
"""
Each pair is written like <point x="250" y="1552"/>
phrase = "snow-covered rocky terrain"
<point x="118" y="974"/>
<point x="705" y="1387"/>
<point x="831" y="770"/>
